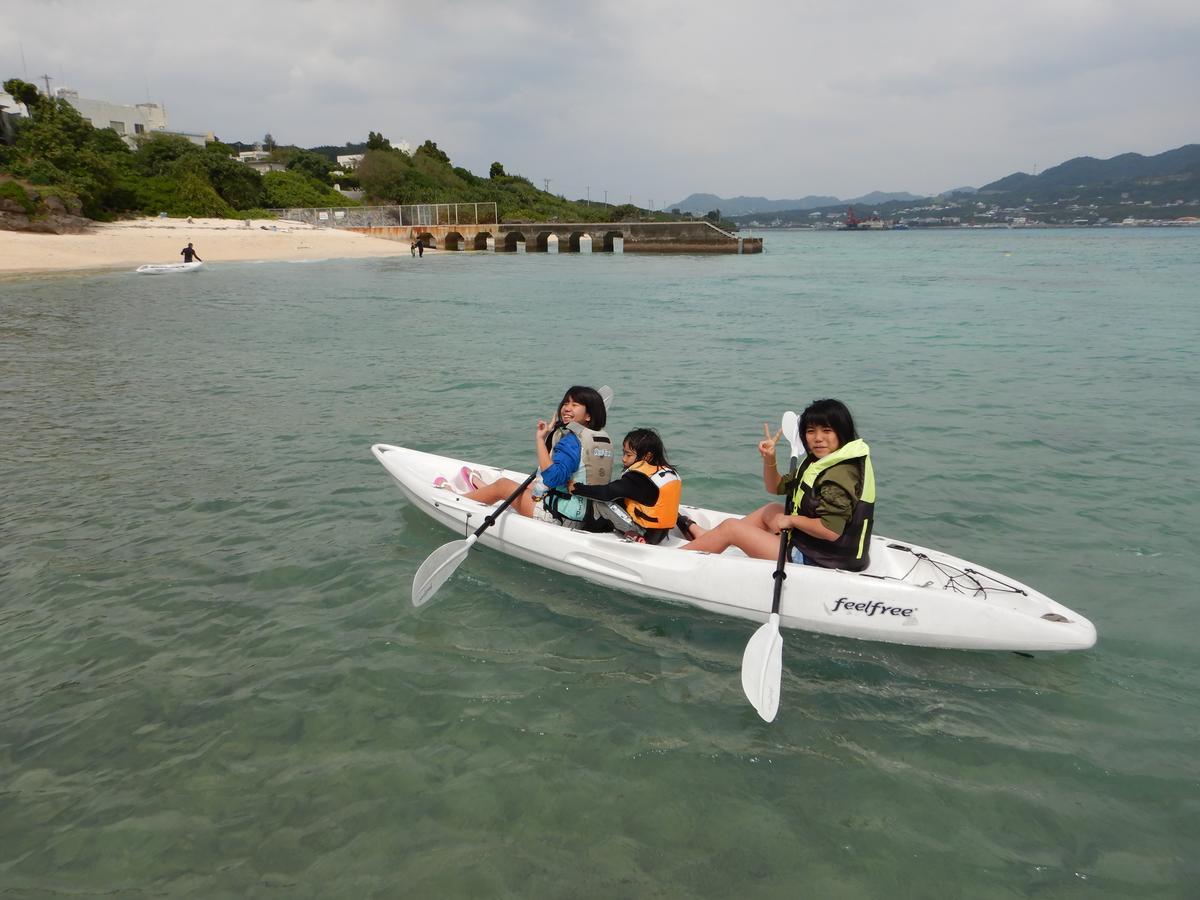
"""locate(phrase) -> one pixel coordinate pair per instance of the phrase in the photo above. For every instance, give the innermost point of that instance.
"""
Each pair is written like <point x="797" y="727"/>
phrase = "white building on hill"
<point x="12" y="105"/>
<point x="127" y="121"/>
<point x="10" y="109"/>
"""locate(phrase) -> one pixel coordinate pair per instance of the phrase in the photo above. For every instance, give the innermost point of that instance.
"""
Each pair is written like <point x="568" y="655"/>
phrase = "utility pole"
<point x="546" y="182"/>
<point x="589" y="190"/>
<point x="47" y="79"/>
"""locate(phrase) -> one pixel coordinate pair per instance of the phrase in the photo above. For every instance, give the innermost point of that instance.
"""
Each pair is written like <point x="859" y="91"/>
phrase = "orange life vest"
<point x="665" y="510"/>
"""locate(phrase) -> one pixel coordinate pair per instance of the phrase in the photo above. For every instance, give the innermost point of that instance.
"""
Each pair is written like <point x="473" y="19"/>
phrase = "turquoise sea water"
<point x="212" y="683"/>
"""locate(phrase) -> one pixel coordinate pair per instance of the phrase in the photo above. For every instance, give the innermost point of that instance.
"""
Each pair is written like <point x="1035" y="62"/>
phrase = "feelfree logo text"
<point x="871" y="608"/>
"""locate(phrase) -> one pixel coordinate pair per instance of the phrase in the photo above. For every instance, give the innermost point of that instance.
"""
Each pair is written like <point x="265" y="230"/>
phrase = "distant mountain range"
<point x="1179" y="165"/>
<point x="699" y="204"/>
<point x="1153" y="178"/>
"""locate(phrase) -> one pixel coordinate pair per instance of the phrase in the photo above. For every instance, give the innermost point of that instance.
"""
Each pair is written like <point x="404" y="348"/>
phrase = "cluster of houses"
<point x="982" y="214"/>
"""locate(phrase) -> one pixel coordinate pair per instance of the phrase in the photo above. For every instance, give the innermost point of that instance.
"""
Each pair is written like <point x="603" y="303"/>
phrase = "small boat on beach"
<point x="168" y="268"/>
<point x="908" y="595"/>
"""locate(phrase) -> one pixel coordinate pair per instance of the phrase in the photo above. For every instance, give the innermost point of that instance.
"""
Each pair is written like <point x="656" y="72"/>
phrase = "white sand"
<point x="136" y="242"/>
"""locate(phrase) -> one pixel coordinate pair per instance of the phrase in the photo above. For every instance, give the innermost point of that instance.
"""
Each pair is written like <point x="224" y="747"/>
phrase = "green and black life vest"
<point x="851" y="551"/>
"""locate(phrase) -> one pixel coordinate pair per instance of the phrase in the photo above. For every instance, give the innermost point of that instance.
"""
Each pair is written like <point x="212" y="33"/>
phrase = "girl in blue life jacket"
<point x="831" y="508"/>
<point x="573" y="447"/>
<point x="643" y="504"/>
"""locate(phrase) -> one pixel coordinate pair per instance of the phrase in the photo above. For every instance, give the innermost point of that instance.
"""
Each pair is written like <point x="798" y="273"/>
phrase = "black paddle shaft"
<point x="784" y="539"/>
<point x="492" y="516"/>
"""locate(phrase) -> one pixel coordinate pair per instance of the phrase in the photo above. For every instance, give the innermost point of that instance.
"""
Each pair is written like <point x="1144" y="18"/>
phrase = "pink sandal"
<point x="472" y="480"/>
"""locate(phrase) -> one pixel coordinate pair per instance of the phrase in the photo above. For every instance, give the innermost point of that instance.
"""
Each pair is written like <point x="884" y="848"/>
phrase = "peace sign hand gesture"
<point x="767" y="446"/>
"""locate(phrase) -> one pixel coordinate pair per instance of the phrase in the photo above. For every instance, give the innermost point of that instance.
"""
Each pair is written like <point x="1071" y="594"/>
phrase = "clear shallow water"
<point x="212" y="683"/>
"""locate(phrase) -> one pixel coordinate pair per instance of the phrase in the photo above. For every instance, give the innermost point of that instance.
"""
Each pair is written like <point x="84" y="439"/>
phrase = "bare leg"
<point x="500" y="490"/>
<point x="750" y="535"/>
<point x="756" y="518"/>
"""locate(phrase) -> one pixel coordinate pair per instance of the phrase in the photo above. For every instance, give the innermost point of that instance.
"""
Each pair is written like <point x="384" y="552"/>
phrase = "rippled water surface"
<point x="212" y="683"/>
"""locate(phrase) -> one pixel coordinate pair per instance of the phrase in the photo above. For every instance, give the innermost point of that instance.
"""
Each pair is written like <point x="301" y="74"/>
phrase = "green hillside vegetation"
<point x="388" y="175"/>
<point x="1181" y="164"/>
<point x="59" y="152"/>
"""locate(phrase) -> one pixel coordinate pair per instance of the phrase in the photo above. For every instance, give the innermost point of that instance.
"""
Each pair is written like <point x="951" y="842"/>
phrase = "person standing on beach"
<point x="188" y="253"/>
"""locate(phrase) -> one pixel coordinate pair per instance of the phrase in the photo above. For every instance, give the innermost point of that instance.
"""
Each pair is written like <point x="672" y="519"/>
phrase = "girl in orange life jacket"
<point x="644" y="502"/>
<point x="833" y="497"/>
<point x="558" y="452"/>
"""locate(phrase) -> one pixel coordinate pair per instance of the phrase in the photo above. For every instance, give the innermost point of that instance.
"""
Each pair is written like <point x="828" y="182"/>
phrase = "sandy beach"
<point x="129" y="244"/>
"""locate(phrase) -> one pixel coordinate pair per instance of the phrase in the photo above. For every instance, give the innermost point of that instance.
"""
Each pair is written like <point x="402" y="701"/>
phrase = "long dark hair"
<point x="646" y="442"/>
<point x="832" y="414"/>
<point x="592" y="402"/>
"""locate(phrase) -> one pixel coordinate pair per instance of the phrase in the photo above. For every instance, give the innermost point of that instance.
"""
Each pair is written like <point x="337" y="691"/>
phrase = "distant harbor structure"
<point x="476" y="226"/>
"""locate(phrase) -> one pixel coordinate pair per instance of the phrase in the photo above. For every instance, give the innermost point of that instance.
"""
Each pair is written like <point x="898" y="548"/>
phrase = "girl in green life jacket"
<point x="830" y="503"/>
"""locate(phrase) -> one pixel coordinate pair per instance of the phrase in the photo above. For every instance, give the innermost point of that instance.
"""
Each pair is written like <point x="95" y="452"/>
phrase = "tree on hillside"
<point x="497" y="171"/>
<point x="237" y="184"/>
<point x="376" y="141"/>
<point x="292" y="189"/>
<point x="430" y="149"/>
<point x="158" y="153"/>
<point x="196" y="197"/>
<point x="24" y="92"/>
<point x="383" y="175"/>
<point x="268" y="142"/>
<point x="314" y="165"/>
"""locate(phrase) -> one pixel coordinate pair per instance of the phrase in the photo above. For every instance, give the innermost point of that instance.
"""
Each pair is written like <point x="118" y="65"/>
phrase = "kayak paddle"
<point x="441" y="563"/>
<point x="762" y="662"/>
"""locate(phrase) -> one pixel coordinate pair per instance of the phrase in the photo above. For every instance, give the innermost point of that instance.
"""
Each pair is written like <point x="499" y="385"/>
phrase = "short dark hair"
<point x="832" y="414"/>
<point x="592" y="402"/>
<point x="646" y="442"/>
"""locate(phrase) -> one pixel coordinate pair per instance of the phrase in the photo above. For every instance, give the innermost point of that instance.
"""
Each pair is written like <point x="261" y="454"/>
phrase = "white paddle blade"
<point x="606" y="394"/>
<point x="762" y="669"/>
<point x="791" y="433"/>
<point x="438" y="566"/>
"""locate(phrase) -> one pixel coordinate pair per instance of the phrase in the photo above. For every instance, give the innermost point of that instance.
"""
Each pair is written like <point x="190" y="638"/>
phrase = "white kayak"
<point x="908" y="595"/>
<point x="168" y="268"/>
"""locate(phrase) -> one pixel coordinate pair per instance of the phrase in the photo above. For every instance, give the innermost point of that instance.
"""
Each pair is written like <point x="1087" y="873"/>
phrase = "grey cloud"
<point x="659" y="99"/>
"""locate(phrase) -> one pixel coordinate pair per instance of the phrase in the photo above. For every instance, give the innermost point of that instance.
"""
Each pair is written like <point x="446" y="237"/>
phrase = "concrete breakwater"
<point x="474" y="226"/>
<point x="572" y="237"/>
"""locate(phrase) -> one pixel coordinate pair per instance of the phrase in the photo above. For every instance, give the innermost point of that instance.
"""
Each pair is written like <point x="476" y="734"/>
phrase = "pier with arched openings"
<point x="475" y="227"/>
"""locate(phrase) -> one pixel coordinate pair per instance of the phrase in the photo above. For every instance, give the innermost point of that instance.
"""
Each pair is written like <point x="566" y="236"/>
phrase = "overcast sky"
<point x="654" y="100"/>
